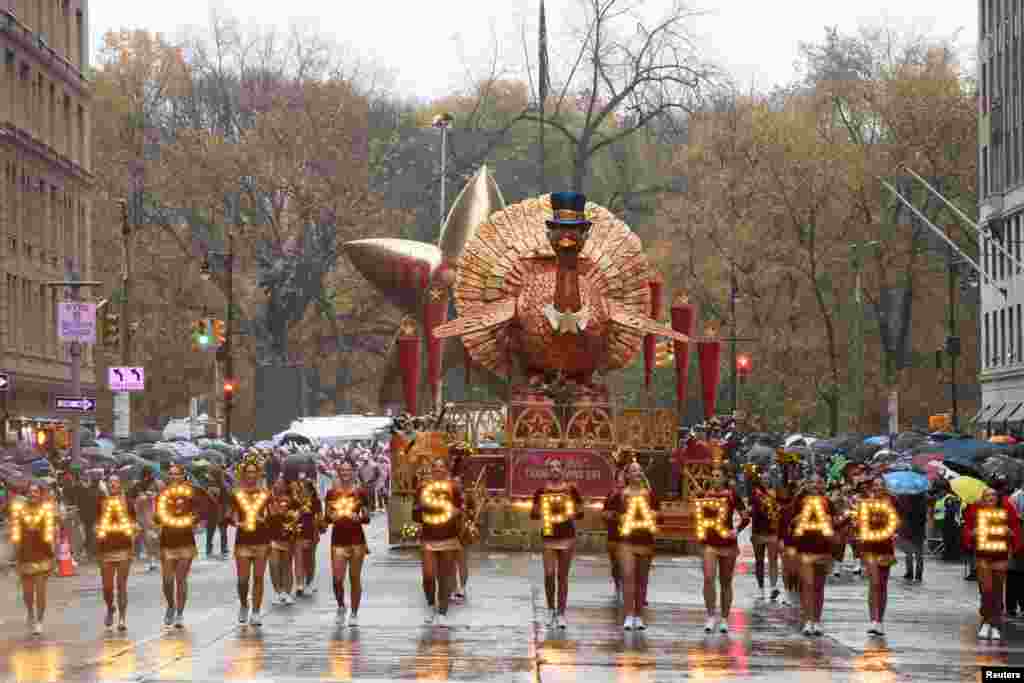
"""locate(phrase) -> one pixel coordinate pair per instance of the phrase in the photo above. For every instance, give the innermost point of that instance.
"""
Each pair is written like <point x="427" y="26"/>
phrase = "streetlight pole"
<point x="74" y="284"/>
<point x="443" y="121"/>
<point x="953" y="340"/>
<point x="732" y="343"/>
<point x="229" y="366"/>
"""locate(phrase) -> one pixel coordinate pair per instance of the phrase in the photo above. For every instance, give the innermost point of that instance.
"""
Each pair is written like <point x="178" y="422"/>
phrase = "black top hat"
<point x="568" y="209"/>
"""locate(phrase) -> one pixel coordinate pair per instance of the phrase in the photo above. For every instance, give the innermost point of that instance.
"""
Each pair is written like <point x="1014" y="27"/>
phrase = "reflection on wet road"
<point x="498" y="635"/>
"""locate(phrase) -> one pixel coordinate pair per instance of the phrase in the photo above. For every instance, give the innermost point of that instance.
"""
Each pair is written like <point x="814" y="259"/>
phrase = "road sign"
<point x="5" y="382"/>
<point x="76" y="322"/>
<point x="75" y="404"/>
<point x="126" y="379"/>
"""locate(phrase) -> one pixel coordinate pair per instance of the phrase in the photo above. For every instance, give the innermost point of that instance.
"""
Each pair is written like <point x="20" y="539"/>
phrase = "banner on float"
<point x="590" y="471"/>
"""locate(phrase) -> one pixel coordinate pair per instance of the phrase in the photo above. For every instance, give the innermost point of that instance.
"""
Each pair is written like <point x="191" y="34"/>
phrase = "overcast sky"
<point x="426" y="44"/>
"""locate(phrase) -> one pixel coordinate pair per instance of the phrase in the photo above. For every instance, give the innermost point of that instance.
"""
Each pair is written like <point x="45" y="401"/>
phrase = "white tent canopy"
<point x="336" y="430"/>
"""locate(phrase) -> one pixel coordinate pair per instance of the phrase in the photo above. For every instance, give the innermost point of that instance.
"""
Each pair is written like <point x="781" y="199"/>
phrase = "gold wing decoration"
<point x="642" y="323"/>
<point x="477" y="320"/>
<point x="498" y="260"/>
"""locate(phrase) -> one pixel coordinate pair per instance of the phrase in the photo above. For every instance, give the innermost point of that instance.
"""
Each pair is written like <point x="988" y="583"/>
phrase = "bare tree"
<point x="626" y="74"/>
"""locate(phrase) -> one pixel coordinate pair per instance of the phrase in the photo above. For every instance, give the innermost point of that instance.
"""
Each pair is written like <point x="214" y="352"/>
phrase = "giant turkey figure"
<point x="560" y="284"/>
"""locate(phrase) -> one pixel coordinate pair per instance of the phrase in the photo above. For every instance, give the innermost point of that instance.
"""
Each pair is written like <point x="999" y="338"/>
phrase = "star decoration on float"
<point x="549" y="503"/>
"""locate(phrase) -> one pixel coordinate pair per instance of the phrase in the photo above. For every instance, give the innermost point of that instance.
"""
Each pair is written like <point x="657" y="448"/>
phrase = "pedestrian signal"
<point x="744" y="365"/>
<point x="229" y="389"/>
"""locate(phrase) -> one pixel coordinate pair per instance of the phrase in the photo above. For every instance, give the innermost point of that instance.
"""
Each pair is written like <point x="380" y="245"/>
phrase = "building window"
<point x="1011" y="350"/>
<point x="987" y="358"/>
<point x="1020" y="336"/>
<point x="1002" y="337"/>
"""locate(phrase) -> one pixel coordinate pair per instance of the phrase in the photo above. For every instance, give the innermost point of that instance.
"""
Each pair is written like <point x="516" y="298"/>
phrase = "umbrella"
<point x="760" y="455"/>
<point x="1003" y="439"/>
<point x="908" y="440"/>
<point x="941" y="436"/>
<point x="906" y="483"/>
<point x="968" y="489"/>
<point x="884" y="457"/>
<point x="876" y="441"/>
<point x="1004" y="466"/>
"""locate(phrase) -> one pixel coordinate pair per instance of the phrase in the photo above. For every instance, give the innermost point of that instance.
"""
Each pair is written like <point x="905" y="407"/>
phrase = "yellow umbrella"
<point x="968" y="489"/>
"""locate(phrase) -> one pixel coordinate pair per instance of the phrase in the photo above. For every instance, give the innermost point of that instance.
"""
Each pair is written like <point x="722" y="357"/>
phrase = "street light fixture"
<point x="443" y="121"/>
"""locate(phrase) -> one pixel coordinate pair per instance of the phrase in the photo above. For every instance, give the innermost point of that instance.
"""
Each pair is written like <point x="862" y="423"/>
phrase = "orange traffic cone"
<point x="65" y="566"/>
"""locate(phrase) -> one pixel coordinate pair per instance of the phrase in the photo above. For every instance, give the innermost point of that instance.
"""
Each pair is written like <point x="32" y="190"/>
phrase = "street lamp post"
<point x="443" y="121"/>
<point x="857" y="331"/>
<point x="732" y="343"/>
<point x="74" y="284"/>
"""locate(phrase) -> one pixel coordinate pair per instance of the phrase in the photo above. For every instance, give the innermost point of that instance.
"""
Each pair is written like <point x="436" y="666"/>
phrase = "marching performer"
<point x="283" y="528"/>
<point x="115" y="541"/>
<point x="33" y="522"/>
<point x="178" y="509"/>
<point x="814" y="533"/>
<point x="558" y="505"/>
<point x="612" y="526"/>
<point x="992" y="530"/>
<point x="876" y="547"/>
<point x="721" y="547"/>
<point x="347" y="507"/>
<point x="248" y="512"/>
<point x="312" y="521"/>
<point x="458" y="453"/>
<point x="635" y="509"/>
<point x="438" y="508"/>
<point x="785" y="497"/>
<point x="764" y="531"/>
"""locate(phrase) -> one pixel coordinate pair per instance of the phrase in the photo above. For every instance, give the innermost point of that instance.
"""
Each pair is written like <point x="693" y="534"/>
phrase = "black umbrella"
<point x="147" y="436"/>
<point x="863" y="452"/>
<point x="1002" y="465"/>
<point x="908" y="440"/>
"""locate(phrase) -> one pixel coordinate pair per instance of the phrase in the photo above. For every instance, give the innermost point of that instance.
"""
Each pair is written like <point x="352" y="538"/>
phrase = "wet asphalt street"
<point x="497" y="635"/>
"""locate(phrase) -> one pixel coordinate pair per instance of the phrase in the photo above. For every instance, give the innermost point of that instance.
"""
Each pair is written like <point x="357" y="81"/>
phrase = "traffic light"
<point x="664" y="354"/>
<point x="743" y="365"/>
<point x="41" y="438"/>
<point x="219" y="332"/>
<point x="111" y="329"/>
<point x="63" y="438"/>
<point x="202" y="335"/>
<point x="229" y="389"/>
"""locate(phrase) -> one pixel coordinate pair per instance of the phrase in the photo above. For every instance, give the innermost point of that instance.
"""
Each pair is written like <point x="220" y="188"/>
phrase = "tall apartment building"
<point x="1001" y="208"/>
<point x="44" y="196"/>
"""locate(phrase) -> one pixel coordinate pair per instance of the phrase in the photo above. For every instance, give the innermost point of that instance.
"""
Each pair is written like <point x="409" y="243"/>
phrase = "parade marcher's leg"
<point x="726" y="571"/>
<point x="462" y="565"/>
<point x="710" y="590"/>
<point x="339" y="567"/>
<point x="355" y="577"/>
<point x="909" y="574"/>
<point x="167" y="576"/>
<point x="181" y="570"/>
<point x="996" y="606"/>
<point x="550" y="560"/>
<point x="629" y="587"/>
<point x="919" y="566"/>
<point x="107" y="571"/>
<point x="985" y="588"/>
<point x="224" y="539"/>
<point x="243" y="569"/>
<point x="773" y="568"/>
<point x="643" y="576"/>
<point x="124" y="570"/>
<point x="40" y="581"/>
<point x="873" y="579"/>
<point x="298" y="570"/>
<point x="883" y="593"/>
<point x="613" y="562"/>
<point x="564" y="558"/>
<point x="287" y="576"/>
<point x="759" y="553"/>
<point x="211" y="529"/>
<point x="275" y="572"/>
<point x="807" y="597"/>
<point x="820" y="578"/>
<point x="429" y="578"/>
<point x="446" y="571"/>
<point x="28" y="593"/>
<point x="309" y="565"/>
<point x="259" y="570"/>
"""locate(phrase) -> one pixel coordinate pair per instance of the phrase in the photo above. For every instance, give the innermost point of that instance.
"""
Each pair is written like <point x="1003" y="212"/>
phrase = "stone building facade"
<point x="45" y="189"/>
